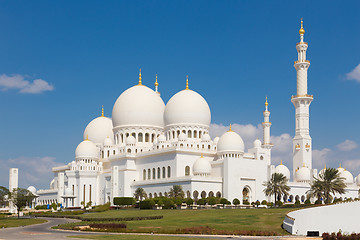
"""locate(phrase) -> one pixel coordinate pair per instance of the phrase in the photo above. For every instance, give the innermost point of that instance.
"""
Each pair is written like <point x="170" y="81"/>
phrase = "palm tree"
<point x="176" y="192"/>
<point x="4" y="195"/>
<point x="277" y="185"/>
<point x="329" y="182"/>
<point x="316" y="190"/>
<point x="140" y="194"/>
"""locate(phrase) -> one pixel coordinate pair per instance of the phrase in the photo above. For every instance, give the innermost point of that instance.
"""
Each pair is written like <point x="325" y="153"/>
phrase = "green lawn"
<point x="269" y="220"/>
<point x="17" y="222"/>
<point x="132" y="237"/>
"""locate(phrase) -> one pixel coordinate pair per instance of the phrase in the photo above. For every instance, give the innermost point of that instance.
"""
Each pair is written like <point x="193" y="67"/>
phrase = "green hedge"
<point x="147" y="204"/>
<point x="124" y="201"/>
<point x="122" y="219"/>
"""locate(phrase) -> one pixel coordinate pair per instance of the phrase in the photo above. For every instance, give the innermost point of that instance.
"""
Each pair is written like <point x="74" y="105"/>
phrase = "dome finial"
<point x="340" y="165"/>
<point x="302" y="30"/>
<point x="140" y="77"/>
<point x="230" y="130"/>
<point x="102" y="110"/>
<point x="202" y="155"/>
<point x="281" y="162"/>
<point x="187" y="82"/>
<point x="325" y="166"/>
<point x="156" y="84"/>
<point x="87" y="137"/>
<point x="266" y="104"/>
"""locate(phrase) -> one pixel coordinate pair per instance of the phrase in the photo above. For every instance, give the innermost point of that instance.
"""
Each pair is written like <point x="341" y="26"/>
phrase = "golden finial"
<point x="325" y="166"/>
<point x="266" y="102"/>
<point x="156" y="82"/>
<point x="230" y="130"/>
<point x="187" y="82"/>
<point x="102" y="110"/>
<point x="340" y="165"/>
<point x="202" y="155"/>
<point x="87" y="137"/>
<point x="302" y="30"/>
<point x="140" y="77"/>
<point x="281" y="162"/>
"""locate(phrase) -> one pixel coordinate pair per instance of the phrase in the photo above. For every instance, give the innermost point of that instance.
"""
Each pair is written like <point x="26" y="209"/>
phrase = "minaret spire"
<point x="302" y="153"/>
<point x="140" y="77"/>
<point x="156" y="84"/>
<point x="266" y="126"/>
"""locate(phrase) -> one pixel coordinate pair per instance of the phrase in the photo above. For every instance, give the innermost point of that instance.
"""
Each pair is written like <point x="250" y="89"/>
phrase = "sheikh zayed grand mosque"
<point x="147" y="144"/>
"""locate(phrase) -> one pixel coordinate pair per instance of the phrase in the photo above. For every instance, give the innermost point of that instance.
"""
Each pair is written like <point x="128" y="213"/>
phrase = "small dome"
<point x="187" y="107"/>
<point x="130" y="140"/>
<point x="86" y="149"/>
<point x="206" y="138"/>
<point x="340" y="169"/>
<point x="303" y="174"/>
<point x="358" y="180"/>
<point x="98" y="129"/>
<point x="108" y="142"/>
<point x="257" y="143"/>
<point x="349" y="179"/>
<point x="216" y="140"/>
<point x="162" y="138"/>
<point x="182" y="137"/>
<point x="283" y="170"/>
<point x="202" y="167"/>
<point x="32" y="189"/>
<point x="138" y="106"/>
<point x="68" y="192"/>
<point x="230" y="141"/>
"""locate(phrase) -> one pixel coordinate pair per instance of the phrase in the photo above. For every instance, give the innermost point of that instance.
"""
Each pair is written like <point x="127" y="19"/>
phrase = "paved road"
<point x="43" y="231"/>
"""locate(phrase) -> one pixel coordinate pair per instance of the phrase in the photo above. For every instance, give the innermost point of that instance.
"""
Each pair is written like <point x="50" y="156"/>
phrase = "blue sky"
<point x="86" y="53"/>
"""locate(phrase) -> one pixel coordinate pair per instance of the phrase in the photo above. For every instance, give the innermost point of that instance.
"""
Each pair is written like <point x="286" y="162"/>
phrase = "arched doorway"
<point x="246" y="194"/>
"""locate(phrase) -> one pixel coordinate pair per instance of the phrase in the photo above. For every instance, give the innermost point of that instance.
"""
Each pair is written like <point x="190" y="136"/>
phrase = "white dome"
<point x="98" y="129"/>
<point x="216" y="140"/>
<point x="162" y="138"/>
<point x="303" y="174"/>
<point x="182" y="137"/>
<point x="321" y="172"/>
<point x="283" y="170"/>
<point x="32" y="189"/>
<point x="206" y="138"/>
<point x="257" y="143"/>
<point x="108" y="142"/>
<point x="230" y="141"/>
<point x="86" y="149"/>
<point x="202" y="167"/>
<point x="340" y="169"/>
<point x="348" y="177"/>
<point x="130" y="140"/>
<point x="187" y="107"/>
<point x="138" y="106"/>
<point x="358" y="180"/>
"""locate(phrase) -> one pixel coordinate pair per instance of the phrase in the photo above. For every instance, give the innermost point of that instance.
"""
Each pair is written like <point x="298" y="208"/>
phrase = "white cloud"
<point x="347" y="145"/>
<point x="32" y="171"/>
<point x="354" y="74"/>
<point x="321" y="157"/>
<point x="18" y="82"/>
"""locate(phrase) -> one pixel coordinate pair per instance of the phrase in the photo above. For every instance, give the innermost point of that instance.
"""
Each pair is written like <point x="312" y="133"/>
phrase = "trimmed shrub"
<point x="224" y="201"/>
<point x="38" y="207"/>
<point x="263" y="202"/>
<point x="121" y="219"/>
<point x="297" y="202"/>
<point x="124" y="201"/>
<point x="307" y="202"/>
<point x="318" y="201"/>
<point x="270" y="204"/>
<point x="178" y="201"/>
<point x="236" y="201"/>
<point x="147" y="204"/>
<point x="202" y="201"/>
<point x="246" y="202"/>
<point x="280" y="203"/>
<point x="107" y="225"/>
<point x="212" y="201"/>
<point x="101" y="208"/>
<point x="160" y="203"/>
<point x="189" y="201"/>
<point x="168" y="203"/>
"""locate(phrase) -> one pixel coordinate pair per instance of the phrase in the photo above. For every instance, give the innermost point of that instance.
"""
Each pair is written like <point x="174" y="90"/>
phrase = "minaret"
<point x="266" y="127"/>
<point x="156" y="84"/>
<point x="302" y="141"/>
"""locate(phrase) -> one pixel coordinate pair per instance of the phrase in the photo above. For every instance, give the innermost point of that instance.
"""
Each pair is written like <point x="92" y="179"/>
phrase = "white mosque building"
<point x="147" y="144"/>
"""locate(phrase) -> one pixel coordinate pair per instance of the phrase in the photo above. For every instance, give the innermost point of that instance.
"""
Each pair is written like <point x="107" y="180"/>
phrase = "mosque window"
<point x="149" y="173"/>
<point x="144" y="174"/>
<point x="153" y="173"/>
<point x="195" y="194"/>
<point x="134" y="135"/>
<point x="73" y="190"/>
<point x="203" y="194"/>
<point x="195" y="134"/>
<point x="209" y="147"/>
<point x="158" y="173"/>
<point x="147" y="137"/>
<point x="178" y="133"/>
<point x="199" y="134"/>
<point x="261" y="157"/>
<point x="152" y="137"/>
<point x="122" y="138"/>
<point x="188" y="194"/>
<point x="114" y="152"/>
<point x="90" y="193"/>
<point x="218" y="194"/>
<point x="181" y="145"/>
<point x="150" y="195"/>
<point x="84" y="194"/>
<point x="129" y="150"/>
<point x="173" y="134"/>
<point x="155" y="195"/>
<point x="163" y="172"/>
<point x="127" y="134"/>
<point x="211" y="194"/>
<point x="169" y="172"/>
<point x="187" y="171"/>
<point x="189" y="134"/>
<point x="140" y="137"/>
<point x="108" y="153"/>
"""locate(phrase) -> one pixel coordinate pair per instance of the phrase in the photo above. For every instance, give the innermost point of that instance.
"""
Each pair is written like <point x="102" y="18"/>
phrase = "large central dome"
<point x="187" y="107"/>
<point x="138" y="106"/>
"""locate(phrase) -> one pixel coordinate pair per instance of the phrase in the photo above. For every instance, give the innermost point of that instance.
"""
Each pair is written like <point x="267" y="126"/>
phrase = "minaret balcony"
<point x="302" y="43"/>
<point x="303" y="96"/>
<point x="302" y="61"/>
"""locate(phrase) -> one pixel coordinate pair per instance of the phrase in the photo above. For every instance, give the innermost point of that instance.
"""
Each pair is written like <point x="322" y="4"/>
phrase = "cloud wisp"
<point x="354" y="74"/>
<point x="18" y="82"/>
<point x="347" y="145"/>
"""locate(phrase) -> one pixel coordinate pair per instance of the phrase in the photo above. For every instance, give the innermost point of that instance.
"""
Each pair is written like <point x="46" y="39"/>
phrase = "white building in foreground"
<point x="152" y="146"/>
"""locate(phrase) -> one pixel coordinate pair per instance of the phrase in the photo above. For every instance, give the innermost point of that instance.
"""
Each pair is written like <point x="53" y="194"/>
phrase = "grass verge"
<point x="18" y="222"/>
<point x="132" y="237"/>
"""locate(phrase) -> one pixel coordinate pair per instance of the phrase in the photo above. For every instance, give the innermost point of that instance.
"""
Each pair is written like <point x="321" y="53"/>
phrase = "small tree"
<point x="140" y="194"/>
<point x="176" y="192"/>
<point x="277" y="185"/>
<point x="21" y="198"/>
<point x="236" y="201"/>
<point x="4" y="196"/>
